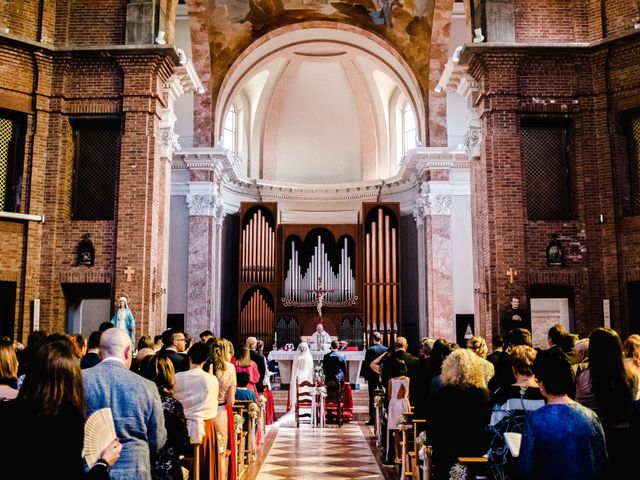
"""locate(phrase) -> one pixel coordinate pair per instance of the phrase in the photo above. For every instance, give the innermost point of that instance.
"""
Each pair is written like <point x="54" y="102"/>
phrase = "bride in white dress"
<point x="302" y="369"/>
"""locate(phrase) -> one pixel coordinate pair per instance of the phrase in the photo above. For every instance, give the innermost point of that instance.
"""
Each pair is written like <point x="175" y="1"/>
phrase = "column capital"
<point x="205" y="199"/>
<point x="430" y="203"/>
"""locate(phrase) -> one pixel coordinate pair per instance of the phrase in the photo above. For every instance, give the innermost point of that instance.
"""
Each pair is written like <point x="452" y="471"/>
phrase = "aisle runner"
<point x="319" y="453"/>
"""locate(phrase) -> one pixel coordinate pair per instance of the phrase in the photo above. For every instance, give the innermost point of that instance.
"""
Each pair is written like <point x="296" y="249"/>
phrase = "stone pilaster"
<point x="206" y="214"/>
<point x="433" y="220"/>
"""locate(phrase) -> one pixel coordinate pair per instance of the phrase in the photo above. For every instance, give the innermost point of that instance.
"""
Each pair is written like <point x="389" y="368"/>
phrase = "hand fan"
<point x="99" y="432"/>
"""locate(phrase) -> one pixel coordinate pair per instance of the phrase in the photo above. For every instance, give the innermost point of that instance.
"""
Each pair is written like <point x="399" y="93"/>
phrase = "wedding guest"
<point x="145" y="341"/>
<point x="479" y="346"/>
<point x="174" y="343"/>
<point x="8" y="371"/>
<point x="632" y="358"/>
<point x="134" y="402"/>
<point x="165" y="464"/>
<point x="398" y="403"/>
<point x="243" y="392"/>
<point x="459" y="412"/>
<point x="562" y="440"/>
<point x="510" y="406"/>
<point x="270" y="408"/>
<point x="34" y="341"/>
<point x="609" y="389"/>
<point x="198" y="390"/>
<point x="92" y="357"/>
<point x="225" y="372"/>
<point x="245" y="364"/>
<point x="260" y="362"/>
<point x="50" y="406"/>
<point x="373" y="378"/>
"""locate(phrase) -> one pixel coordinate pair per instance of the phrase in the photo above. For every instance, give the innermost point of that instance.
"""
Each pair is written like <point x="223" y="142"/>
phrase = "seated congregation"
<point x="200" y="411"/>
<point x="566" y="412"/>
<point x="179" y="411"/>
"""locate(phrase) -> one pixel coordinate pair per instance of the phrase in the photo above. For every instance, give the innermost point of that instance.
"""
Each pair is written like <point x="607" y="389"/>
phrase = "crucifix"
<point x="128" y="272"/>
<point x="511" y="273"/>
<point x="320" y="294"/>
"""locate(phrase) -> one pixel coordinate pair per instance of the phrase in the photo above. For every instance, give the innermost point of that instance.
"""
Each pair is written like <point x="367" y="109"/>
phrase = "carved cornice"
<point x="400" y="187"/>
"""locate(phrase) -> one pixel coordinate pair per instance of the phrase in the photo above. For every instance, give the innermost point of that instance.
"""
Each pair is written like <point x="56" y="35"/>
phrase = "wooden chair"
<point x="334" y="404"/>
<point x="305" y="401"/>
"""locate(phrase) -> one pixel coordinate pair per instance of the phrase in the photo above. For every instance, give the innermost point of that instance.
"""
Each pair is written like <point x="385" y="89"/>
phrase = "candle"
<point x="275" y="336"/>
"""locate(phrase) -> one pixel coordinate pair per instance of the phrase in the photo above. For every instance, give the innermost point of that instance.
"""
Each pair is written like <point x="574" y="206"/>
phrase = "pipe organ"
<point x="299" y="282"/>
<point x="382" y="289"/>
<point x="256" y="314"/>
<point x="257" y="271"/>
<point x="282" y="265"/>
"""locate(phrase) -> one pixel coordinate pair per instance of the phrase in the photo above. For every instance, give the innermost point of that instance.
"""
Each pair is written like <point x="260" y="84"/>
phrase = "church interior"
<point x="255" y="168"/>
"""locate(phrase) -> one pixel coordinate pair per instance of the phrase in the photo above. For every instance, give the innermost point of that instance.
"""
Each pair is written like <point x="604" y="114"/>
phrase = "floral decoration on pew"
<point x="238" y="421"/>
<point x="253" y="410"/>
<point x="459" y="472"/>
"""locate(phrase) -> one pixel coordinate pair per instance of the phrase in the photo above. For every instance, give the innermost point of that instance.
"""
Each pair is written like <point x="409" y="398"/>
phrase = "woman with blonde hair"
<point x="479" y="346"/>
<point x="225" y="371"/>
<point x="8" y="371"/>
<point x="459" y="412"/>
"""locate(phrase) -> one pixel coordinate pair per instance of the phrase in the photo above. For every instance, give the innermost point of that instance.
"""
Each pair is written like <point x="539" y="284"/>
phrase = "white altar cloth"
<point x="285" y="359"/>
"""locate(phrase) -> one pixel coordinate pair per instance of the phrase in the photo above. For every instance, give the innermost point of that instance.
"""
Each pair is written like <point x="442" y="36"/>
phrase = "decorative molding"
<point x="236" y="188"/>
<point x="201" y="205"/>
<point x="472" y="140"/>
<point x="439" y="204"/>
<point x="168" y="142"/>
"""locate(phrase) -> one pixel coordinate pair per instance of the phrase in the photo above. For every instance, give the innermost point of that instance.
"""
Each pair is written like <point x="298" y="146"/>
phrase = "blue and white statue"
<point x="123" y="319"/>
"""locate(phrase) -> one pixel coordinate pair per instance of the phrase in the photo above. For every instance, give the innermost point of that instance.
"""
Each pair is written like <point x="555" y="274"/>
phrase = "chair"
<point x="334" y="403"/>
<point x="305" y="401"/>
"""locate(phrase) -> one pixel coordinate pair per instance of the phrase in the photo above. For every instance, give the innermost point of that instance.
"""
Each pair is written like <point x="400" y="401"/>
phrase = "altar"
<point x="284" y="358"/>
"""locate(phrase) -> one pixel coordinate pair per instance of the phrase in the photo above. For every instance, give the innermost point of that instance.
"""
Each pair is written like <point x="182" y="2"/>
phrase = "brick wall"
<point x="590" y="86"/>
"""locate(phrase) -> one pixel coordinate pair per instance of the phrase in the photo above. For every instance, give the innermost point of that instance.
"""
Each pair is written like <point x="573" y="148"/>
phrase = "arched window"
<point x="408" y="129"/>
<point x="230" y="134"/>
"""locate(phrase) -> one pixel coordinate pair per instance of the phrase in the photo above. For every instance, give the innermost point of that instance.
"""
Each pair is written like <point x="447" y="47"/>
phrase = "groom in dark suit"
<point x="134" y="402"/>
<point x="334" y="365"/>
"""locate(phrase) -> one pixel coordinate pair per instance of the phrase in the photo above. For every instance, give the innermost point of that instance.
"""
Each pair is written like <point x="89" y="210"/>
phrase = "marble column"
<point x="205" y="234"/>
<point x="433" y="220"/>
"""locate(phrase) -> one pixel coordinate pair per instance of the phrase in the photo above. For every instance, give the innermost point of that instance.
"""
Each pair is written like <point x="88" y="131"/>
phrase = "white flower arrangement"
<point x="253" y="410"/>
<point x="238" y="421"/>
<point x="318" y="374"/>
<point x="459" y="472"/>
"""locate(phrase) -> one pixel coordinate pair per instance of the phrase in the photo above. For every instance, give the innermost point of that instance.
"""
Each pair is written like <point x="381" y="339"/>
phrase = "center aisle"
<point x="318" y="453"/>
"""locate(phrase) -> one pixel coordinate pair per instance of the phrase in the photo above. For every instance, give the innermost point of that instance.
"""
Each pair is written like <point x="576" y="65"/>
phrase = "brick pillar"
<point x="206" y="215"/>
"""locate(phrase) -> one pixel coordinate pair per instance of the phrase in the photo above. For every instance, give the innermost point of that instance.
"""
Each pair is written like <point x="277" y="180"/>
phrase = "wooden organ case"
<point x="282" y="265"/>
<point x="257" y="272"/>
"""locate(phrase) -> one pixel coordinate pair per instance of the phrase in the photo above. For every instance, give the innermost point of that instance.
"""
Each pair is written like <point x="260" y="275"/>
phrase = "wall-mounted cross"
<point x="511" y="273"/>
<point x="128" y="272"/>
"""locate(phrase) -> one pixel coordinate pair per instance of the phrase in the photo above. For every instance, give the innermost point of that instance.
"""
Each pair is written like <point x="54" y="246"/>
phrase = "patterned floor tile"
<point x="320" y="453"/>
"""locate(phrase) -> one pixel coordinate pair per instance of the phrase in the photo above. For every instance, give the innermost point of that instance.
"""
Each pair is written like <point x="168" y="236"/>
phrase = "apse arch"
<point x="289" y="52"/>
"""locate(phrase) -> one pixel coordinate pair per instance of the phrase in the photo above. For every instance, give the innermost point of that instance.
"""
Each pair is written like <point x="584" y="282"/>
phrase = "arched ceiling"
<point x="318" y="105"/>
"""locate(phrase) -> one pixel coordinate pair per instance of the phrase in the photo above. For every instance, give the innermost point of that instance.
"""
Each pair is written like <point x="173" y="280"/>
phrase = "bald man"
<point x="320" y="340"/>
<point x="134" y="402"/>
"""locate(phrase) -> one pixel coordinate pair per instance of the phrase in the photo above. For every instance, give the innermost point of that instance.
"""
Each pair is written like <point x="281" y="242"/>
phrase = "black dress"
<point x="44" y="446"/>
<point x="166" y="463"/>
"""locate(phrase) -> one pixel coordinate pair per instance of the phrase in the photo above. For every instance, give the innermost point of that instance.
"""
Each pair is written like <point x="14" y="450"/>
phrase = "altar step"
<point x="360" y="400"/>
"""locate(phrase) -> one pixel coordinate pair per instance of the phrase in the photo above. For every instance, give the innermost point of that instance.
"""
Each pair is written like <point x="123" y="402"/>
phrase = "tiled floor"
<point x="321" y="453"/>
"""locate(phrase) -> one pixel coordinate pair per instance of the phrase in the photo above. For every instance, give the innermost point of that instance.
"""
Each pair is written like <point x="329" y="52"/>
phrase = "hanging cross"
<point x="320" y="294"/>
<point x="128" y="272"/>
<point x="511" y="273"/>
